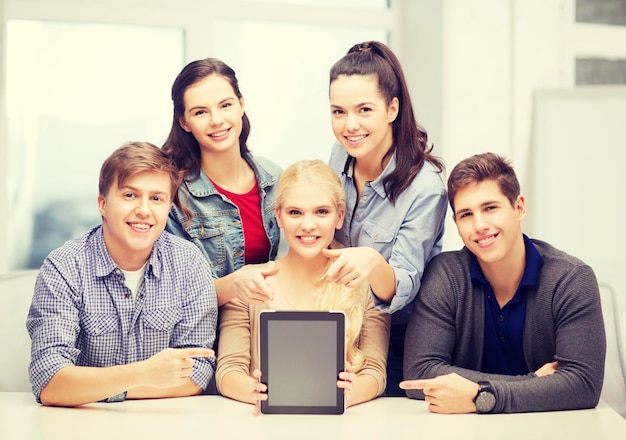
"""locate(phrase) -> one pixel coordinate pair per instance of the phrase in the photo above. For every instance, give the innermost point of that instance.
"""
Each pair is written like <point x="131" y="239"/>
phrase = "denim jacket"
<point x="215" y="226"/>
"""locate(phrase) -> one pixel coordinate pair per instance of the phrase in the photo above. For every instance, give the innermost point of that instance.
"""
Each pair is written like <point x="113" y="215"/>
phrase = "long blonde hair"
<point x="332" y="296"/>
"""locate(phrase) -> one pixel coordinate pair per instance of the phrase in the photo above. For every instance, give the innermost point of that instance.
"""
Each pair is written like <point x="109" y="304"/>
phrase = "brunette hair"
<point x="181" y="145"/>
<point x="480" y="167"/>
<point x="410" y="140"/>
<point x="136" y="157"/>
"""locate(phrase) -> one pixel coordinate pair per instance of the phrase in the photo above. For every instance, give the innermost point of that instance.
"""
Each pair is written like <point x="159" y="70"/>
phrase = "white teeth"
<point x="308" y="238"/>
<point x="355" y="138"/>
<point x="486" y="240"/>
<point x="140" y="226"/>
<point x="220" y="134"/>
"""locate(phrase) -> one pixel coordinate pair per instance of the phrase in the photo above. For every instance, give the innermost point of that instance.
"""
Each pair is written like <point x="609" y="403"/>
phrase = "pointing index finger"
<point x="413" y="384"/>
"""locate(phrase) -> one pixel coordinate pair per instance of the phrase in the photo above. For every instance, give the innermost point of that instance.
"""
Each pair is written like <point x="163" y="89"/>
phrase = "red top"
<point x="256" y="244"/>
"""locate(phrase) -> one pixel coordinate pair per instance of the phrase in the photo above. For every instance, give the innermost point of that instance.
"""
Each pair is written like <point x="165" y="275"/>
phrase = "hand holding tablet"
<point x="258" y="391"/>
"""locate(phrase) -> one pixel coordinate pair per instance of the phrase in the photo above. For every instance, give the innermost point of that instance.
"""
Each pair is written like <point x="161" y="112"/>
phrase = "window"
<point x="75" y="92"/>
<point x="599" y="30"/>
<point x="600" y="71"/>
<point x="601" y="11"/>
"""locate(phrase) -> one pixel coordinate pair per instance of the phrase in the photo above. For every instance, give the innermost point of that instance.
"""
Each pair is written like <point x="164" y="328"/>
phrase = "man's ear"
<point x="520" y="207"/>
<point x="101" y="204"/>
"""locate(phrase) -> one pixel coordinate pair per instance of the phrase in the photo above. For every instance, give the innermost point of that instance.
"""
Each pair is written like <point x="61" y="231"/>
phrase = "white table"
<point x="216" y="418"/>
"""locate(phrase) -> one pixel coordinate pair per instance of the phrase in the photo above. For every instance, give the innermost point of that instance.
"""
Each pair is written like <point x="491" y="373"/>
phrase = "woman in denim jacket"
<point x="226" y="201"/>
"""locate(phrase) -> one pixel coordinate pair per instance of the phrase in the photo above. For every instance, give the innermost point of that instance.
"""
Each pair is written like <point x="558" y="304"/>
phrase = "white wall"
<point x="579" y="141"/>
<point x="3" y="150"/>
<point x="473" y="68"/>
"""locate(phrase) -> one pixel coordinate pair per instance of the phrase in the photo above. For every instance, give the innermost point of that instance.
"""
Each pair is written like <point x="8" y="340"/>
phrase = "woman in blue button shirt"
<point x="227" y="197"/>
<point x="395" y="194"/>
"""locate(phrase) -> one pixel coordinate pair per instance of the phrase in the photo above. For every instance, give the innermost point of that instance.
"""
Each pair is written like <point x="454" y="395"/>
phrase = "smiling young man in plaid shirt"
<point x="127" y="310"/>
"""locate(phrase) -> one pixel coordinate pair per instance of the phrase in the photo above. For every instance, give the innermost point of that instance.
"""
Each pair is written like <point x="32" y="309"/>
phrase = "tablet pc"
<point x="302" y="353"/>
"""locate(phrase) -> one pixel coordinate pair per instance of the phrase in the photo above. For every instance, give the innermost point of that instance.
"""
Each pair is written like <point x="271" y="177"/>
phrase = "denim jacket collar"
<point x="202" y="186"/>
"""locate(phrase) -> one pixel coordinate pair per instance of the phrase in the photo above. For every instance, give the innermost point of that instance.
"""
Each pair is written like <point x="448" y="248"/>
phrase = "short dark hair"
<point x="480" y="167"/>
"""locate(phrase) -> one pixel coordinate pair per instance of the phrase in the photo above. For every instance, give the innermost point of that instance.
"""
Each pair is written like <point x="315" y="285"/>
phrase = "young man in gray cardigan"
<point x="506" y="324"/>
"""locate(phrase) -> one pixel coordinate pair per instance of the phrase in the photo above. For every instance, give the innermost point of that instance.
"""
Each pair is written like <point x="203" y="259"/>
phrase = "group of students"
<point x="130" y="309"/>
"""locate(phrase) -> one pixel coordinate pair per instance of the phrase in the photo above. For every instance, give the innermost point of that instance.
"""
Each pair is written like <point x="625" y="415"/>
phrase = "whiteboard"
<point x="577" y="198"/>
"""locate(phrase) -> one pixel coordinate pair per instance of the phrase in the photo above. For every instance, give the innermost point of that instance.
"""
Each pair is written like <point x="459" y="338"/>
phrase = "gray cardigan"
<point x="563" y="322"/>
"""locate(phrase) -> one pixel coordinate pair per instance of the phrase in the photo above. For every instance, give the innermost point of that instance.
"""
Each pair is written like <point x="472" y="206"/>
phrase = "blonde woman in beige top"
<point x="310" y="205"/>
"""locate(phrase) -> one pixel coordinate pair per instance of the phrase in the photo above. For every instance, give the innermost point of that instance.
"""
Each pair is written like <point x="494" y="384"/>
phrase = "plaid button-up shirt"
<point x="83" y="314"/>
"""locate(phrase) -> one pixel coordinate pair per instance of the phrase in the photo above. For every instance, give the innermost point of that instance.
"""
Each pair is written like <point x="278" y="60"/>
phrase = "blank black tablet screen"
<point x="302" y="354"/>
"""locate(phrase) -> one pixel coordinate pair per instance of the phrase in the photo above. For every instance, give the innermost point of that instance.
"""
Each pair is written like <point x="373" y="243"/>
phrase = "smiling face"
<point x="308" y="217"/>
<point x="361" y="119"/>
<point x="489" y="225"/>
<point x="134" y="215"/>
<point x="213" y="114"/>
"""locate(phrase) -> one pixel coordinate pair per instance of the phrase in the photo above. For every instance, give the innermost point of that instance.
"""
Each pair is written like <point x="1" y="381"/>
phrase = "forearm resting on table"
<point x="189" y="388"/>
<point x="236" y="385"/>
<point x="76" y="385"/>
<point x="364" y="390"/>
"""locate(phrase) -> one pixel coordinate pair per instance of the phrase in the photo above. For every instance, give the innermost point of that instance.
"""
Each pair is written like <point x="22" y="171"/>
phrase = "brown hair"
<point x="480" y="167"/>
<point x="181" y="145"/>
<point x="132" y="158"/>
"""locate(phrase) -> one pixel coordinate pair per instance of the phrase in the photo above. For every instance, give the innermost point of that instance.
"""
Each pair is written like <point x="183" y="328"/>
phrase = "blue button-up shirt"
<point x="407" y="234"/>
<point x="83" y="314"/>
<point x="503" y="349"/>
<point x="216" y="227"/>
